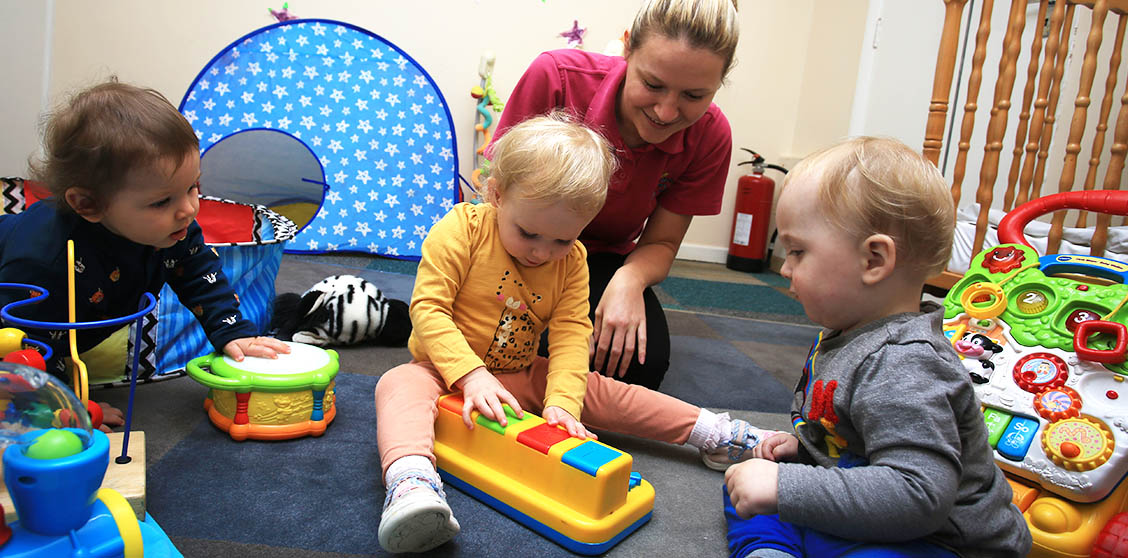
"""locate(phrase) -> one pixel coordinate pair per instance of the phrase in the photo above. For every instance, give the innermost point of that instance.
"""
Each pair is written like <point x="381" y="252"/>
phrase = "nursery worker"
<point x="123" y="169"/>
<point x="654" y="104"/>
<point x="492" y="277"/>
<point x="890" y="454"/>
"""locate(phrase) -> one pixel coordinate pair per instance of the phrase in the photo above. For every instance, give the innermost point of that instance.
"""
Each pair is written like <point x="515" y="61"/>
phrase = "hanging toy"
<point x="283" y="14"/>
<point x="575" y="35"/>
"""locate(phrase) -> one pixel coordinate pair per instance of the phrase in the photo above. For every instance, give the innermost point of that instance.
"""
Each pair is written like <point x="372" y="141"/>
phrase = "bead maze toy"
<point x="53" y="475"/>
<point x="270" y="399"/>
<point x="1044" y="340"/>
<point x="54" y="460"/>
<point x="581" y="494"/>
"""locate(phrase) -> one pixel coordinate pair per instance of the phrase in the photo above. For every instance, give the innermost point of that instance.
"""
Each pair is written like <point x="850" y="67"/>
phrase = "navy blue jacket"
<point x="111" y="274"/>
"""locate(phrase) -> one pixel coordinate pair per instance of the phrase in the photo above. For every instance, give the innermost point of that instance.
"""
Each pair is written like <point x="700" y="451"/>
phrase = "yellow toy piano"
<point x="580" y="494"/>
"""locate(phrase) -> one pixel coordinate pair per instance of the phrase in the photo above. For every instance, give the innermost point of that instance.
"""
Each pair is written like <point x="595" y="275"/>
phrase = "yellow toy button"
<point x="1078" y="444"/>
<point x="1031" y="301"/>
<point x="973" y="295"/>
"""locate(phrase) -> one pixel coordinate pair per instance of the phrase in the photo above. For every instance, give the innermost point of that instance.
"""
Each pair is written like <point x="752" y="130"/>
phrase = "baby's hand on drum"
<point x="266" y="347"/>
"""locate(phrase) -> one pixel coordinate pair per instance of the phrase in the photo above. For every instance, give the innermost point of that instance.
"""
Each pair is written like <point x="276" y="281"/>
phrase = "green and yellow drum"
<point x="270" y="399"/>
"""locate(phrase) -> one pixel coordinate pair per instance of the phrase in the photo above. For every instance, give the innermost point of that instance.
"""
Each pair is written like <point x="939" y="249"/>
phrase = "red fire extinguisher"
<point x="751" y="217"/>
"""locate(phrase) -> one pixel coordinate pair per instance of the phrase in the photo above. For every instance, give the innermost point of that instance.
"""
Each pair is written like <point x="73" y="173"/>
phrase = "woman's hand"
<point x="482" y="391"/>
<point x="620" y="325"/>
<point x="620" y="316"/>
<point x="554" y="416"/>
<point x="265" y="347"/>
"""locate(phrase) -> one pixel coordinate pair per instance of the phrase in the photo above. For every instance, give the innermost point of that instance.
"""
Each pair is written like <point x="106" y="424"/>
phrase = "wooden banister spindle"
<point x="942" y="81"/>
<point x="975" y="78"/>
<point x="1051" y="106"/>
<point x="997" y="125"/>
<point x="1080" y="114"/>
<point x="1038" y="119"/>
<point x="1102" y="120"/>
<point x="1112" y="175"/>
<point x="1024" y="114"/>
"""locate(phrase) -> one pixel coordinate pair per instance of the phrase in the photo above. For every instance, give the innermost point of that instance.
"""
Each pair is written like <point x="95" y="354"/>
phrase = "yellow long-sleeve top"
<point x="473" y="305"/>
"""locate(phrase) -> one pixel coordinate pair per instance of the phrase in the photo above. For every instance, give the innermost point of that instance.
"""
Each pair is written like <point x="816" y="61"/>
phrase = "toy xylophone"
<point x="580" y="494"/>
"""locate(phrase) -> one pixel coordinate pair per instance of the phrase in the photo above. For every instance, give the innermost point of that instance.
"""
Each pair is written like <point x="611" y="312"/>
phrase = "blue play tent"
<point x="332" y="126"/>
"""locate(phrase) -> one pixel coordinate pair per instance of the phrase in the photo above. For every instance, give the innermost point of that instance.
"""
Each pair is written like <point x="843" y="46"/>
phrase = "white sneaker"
<point x="735" y="448"/>
<point x="416" y="517"/>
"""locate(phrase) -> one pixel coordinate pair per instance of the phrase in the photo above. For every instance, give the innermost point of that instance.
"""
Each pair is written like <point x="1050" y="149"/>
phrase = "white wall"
<point x="789" y="92"/>
<point x="25" y="27"/>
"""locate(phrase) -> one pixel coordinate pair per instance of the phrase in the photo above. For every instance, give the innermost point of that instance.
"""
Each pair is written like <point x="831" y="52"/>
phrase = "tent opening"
<point x="265" y="167"/>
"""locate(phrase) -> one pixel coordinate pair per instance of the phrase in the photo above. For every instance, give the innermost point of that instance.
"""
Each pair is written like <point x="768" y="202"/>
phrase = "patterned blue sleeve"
<point x="194" y="271"/>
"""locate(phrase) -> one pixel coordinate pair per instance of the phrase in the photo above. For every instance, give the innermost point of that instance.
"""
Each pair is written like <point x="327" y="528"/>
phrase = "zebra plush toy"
<point x="341" y="310"/>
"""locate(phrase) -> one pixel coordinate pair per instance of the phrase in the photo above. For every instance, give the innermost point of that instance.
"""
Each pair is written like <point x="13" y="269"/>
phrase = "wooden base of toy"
<point x="128" y="479"/>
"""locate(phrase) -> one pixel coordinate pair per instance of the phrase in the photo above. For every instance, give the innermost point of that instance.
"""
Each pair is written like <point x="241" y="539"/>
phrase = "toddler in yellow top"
<point x="492" y="278"/>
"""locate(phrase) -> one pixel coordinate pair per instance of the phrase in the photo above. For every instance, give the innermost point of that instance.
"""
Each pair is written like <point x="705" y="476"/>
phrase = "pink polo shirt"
<point x="686" y="173"/>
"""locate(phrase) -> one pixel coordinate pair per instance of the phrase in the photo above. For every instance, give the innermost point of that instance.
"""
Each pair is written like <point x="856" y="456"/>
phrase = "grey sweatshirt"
<point x="893" y="444"/>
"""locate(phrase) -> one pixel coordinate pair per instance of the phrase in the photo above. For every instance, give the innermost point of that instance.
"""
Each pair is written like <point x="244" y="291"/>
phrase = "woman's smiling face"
<point x="669" y="85"/>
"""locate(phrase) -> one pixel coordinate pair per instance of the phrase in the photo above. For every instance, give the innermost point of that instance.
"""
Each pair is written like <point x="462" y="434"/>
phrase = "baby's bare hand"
<point x="554" y="416"/>
<point x="482" y="391"/>
<point x="752" y="487"/>
<point x="777" y="446"/>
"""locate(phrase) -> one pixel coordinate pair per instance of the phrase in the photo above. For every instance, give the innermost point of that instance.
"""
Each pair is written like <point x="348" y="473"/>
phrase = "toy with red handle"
<point x="1114" y="202"/>
<point x="1104" y="201"/>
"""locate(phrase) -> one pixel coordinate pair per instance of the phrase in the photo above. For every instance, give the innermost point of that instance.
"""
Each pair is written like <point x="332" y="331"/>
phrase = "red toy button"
<point x="1038" y="372"/>
<point x="1079" y="316"/>
<point x="1003" y="259"/>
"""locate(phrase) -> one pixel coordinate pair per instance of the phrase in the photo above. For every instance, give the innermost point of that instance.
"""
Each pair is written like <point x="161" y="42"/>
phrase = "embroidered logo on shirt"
<point x="663" y="182"/>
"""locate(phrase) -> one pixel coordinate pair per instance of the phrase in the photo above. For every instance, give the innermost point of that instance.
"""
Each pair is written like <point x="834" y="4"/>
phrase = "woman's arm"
<point x="620" y="316"/>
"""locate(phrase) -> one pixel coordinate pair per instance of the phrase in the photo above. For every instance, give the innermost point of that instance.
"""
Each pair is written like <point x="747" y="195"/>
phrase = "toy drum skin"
<point x="270" y="399"/>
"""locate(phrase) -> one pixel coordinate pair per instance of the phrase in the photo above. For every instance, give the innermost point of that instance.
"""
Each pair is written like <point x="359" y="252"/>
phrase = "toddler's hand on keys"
<point x="554" y="416"/>
<point x="482" y="391"/>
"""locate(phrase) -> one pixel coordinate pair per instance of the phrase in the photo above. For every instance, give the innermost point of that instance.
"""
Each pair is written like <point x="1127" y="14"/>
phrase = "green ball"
<point x="54" y="444"/>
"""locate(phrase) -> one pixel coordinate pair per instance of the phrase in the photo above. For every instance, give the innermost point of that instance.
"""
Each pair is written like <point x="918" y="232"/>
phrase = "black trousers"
<point x="602" y="267"/>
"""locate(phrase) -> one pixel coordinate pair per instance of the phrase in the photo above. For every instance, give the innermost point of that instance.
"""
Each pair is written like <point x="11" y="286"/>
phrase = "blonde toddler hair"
<point x="869" y="185"/>
<point x="707" y="24"/>
<point x="553" y="158"/>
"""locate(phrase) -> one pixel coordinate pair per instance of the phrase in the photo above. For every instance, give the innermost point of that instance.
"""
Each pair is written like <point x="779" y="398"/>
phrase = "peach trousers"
<point x="407" y="396"/>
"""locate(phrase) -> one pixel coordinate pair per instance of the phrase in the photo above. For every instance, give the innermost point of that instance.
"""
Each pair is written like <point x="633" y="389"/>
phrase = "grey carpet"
<point x="321" y="497"/>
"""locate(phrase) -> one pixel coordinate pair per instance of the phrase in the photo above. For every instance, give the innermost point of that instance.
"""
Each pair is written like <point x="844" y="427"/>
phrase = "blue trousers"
<point x="767" y="531"/>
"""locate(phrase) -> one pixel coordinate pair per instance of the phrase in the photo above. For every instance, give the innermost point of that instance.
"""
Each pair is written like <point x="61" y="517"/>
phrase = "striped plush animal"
<point x="341" y="310"/>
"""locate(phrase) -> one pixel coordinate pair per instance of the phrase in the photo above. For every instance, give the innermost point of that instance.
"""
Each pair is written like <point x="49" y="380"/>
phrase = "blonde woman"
<point x="673" y="144"/>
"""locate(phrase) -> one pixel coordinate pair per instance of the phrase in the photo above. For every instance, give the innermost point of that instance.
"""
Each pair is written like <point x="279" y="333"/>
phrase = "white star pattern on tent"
<point x="375" y="120"/>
